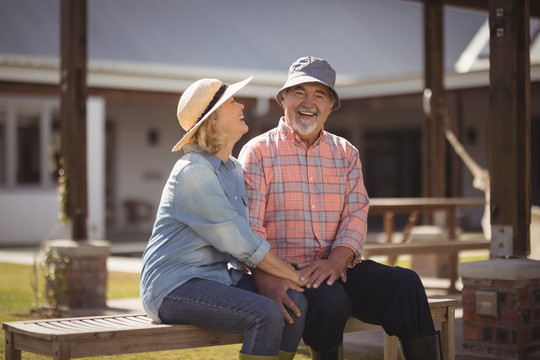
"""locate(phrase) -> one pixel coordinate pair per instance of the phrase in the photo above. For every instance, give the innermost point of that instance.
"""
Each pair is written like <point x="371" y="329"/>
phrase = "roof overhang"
<point x="175" y="79"/>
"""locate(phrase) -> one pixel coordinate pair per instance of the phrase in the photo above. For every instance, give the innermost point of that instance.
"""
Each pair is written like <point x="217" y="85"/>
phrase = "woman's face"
<point x="232" y="122"/>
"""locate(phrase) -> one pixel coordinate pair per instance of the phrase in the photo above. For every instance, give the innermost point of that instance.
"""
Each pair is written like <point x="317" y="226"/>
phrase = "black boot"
<point x="424" y="347"/>
<point x="336" y="354"/>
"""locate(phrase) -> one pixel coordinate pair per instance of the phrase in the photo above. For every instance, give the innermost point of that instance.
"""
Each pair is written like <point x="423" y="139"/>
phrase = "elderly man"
<point x="307" y="198"/>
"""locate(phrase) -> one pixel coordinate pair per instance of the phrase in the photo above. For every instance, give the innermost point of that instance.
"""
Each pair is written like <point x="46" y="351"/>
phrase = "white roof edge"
<point x="152" y="77"/>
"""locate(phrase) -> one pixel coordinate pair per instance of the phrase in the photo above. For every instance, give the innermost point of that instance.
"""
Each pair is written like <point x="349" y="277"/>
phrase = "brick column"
<point x="84" y="272"/>
<point x="501" y="308"/>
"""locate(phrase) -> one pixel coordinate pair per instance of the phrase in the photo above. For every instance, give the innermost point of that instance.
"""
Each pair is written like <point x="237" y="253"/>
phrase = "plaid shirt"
<point x="305" y="202"/>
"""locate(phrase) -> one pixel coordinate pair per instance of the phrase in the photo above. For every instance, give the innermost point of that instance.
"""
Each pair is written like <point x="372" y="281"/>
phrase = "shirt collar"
<point x="212" y="159"/>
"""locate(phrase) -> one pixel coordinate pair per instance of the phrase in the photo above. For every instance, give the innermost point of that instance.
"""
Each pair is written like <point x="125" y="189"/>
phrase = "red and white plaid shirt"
<point x="305" y="202"/>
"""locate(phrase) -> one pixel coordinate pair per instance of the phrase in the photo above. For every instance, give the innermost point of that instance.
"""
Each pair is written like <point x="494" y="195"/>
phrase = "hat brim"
<point x="302" y="80"/>
<point x="230" y="91"/>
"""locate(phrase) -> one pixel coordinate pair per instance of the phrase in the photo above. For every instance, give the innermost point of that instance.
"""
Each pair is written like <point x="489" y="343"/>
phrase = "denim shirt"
<point x="201" y="225"/>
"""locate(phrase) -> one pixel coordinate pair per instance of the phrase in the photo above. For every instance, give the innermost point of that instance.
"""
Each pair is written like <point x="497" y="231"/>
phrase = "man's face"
<point x="307" y="107"/>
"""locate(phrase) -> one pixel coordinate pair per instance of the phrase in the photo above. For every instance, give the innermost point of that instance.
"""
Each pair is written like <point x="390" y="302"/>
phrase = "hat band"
<point x="213" y="102"/>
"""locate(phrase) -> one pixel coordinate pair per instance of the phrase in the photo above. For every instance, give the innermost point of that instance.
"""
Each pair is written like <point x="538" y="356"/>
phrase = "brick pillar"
<point x="84" y="272"/>
<point x="501" y="308"/>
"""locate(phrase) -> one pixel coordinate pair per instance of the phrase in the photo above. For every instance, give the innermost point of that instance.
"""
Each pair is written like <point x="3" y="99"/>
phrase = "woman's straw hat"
<point x="199" y="101"/>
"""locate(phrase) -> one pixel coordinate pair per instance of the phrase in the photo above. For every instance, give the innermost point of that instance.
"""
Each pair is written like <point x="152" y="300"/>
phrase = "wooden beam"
<point x="145" y="97"/>
<point x="510" y="128"/>
<point x="454" y="103"/>
<point x="433" y="139"/>
<point x="534" y="6"/>
<point x="73" y="38"/>
<point x="29" y="89"/>
<point x="111" y="96"/>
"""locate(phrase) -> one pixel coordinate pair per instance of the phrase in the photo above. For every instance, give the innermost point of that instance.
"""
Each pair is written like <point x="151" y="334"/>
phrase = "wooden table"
<point x="388" y="207"/>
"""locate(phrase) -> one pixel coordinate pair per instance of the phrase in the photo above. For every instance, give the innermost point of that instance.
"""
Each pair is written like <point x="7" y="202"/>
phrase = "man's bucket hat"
<point x="310" y="69"/>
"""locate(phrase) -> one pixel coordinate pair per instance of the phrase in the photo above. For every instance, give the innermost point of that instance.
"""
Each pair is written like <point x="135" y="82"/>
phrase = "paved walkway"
<point x="366" y="342"/>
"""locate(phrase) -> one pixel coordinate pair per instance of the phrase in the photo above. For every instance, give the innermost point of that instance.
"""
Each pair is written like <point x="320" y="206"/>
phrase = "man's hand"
<point x="276" y="288"/>
<point x="328" y="270"/>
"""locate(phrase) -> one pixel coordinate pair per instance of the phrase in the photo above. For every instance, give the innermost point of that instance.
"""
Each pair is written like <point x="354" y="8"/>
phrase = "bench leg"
<point x="11" y="352"/>
<point x="62" y="351"/>
<point x="448" y="334"/>
<point x="390" y="347"/>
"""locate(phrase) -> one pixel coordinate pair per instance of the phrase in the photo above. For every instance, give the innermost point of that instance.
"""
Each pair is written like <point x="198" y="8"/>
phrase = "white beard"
<point x="304" y="127"/>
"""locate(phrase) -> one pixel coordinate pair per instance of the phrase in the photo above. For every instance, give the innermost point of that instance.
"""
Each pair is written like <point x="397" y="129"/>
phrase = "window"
<point x="27" y="165"/>
<point x="29" y="142"/>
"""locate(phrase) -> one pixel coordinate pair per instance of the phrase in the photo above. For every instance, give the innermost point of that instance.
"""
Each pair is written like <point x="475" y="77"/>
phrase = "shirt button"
<point x="313" y="206"/>
<point x="235" y="197"/>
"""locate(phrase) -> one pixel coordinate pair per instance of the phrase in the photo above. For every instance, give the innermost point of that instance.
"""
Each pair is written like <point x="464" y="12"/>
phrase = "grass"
<point x="17" y="301"/>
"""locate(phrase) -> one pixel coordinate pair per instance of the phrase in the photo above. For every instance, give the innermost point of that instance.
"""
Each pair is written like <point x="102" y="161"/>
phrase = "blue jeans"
<point x="236" y="309"/>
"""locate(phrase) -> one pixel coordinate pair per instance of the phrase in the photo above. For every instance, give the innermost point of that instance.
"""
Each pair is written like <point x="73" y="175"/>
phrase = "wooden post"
<point x="433" y="139"/>
<point x="73" y="15"/>
<point x="510" y="127"/>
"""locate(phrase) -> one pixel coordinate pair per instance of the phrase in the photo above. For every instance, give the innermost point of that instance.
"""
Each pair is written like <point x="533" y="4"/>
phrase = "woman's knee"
<point x="270" y="314"/>
<point x="299" y="299"/>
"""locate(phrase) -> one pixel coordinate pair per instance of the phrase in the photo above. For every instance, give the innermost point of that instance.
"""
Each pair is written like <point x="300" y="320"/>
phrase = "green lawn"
<point x="17" y="301"/>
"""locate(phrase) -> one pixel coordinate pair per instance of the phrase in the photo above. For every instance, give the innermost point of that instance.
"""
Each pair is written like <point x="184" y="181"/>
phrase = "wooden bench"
<point x="68" y="338"/>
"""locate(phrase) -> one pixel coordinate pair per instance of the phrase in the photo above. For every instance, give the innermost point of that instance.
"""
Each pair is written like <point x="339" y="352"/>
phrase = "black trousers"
<point x="392" y="297"/>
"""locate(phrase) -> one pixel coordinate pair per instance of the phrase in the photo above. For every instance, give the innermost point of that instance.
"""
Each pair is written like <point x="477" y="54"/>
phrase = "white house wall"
<point x="29" y="215"/>
<point x="140" y="169"/>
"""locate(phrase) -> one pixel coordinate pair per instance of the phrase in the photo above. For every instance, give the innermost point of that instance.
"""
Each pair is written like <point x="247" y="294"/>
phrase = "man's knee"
<point x="329" y="302"/>
<point x="328" y="310"/>
<point x="409" y="277"/>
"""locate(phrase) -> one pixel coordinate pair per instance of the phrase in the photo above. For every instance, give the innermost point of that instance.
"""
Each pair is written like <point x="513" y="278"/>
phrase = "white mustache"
<point x="307" y="111"/>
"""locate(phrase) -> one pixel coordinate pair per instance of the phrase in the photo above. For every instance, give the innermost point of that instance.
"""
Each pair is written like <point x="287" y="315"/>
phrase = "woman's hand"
<point x="329" y="270"/>
<point x="273" y="265"/>
<point x="276" y="288"/>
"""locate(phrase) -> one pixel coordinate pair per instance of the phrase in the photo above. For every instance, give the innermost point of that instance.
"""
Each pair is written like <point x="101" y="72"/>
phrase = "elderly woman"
<point x="201" y="241"/>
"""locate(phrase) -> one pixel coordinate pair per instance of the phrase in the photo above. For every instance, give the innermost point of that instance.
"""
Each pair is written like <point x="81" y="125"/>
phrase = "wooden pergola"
<point x="509" y="123"/>
<point x="73" y="95"/>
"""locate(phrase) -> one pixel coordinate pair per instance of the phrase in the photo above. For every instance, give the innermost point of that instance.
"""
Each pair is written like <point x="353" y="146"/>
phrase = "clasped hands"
<point x="311" y="276"/>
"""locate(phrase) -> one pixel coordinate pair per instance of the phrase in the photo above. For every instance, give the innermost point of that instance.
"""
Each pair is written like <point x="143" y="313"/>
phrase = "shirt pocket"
<point x="333" y="194"/>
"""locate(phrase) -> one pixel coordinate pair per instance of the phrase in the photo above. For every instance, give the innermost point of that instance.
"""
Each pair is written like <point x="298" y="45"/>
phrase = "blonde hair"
<point x="207" y="136"/>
